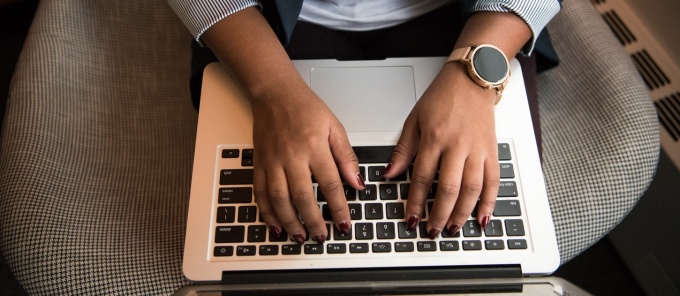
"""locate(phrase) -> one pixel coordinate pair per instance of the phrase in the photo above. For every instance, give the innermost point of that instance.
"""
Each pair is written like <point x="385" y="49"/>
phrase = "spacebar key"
<point x="236" y="177"/>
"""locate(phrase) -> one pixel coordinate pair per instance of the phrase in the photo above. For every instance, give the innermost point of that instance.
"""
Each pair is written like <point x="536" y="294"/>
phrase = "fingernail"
<point x="299" y="238"/>
<point x="433" y="233"/>
<point x="453" y="229"/>
<point x="485" y="221"/>
<point x="344" y="227"/>
<point x="387" y="169"/>
<point x="413" y="222"/>
<point x="360" y="178"/>
<point x="275" y="230"/>
<point x="320" y="238"/>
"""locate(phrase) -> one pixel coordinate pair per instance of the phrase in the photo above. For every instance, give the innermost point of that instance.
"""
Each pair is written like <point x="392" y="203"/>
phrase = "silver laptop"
<point x="227" y="242"/>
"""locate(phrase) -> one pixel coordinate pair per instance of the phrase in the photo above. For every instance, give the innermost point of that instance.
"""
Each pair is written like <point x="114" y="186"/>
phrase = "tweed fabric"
<point x="98" y="141"/>
<point x="599" y="128"/>
<point x="97" y="150"/>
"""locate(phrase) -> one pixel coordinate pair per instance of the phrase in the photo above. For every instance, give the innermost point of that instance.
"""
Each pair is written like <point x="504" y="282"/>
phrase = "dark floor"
<point x="599" y="270"/>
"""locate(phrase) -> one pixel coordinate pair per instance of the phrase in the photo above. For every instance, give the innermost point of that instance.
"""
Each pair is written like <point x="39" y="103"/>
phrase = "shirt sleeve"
<point x="536" y="13"/>
<point x="199" y="15"/>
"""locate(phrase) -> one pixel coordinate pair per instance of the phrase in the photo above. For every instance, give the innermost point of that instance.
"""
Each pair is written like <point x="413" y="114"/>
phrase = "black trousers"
<point x="433" y="34"/>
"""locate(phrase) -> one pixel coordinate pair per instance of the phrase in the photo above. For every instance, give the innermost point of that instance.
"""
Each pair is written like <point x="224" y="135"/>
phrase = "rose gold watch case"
<point x="465" y="55"/>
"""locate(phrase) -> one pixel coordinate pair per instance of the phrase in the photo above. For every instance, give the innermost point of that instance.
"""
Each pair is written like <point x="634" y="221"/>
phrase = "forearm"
<point x="246" y="44"/>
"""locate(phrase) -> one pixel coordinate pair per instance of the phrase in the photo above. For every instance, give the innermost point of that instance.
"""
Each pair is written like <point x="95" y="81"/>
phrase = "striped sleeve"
<point x="199" y="15"/>
<point x="536" y="13"/>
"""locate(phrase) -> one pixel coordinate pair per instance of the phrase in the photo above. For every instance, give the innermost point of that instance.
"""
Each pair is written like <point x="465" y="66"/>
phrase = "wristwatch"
<point x="486" y="65"/>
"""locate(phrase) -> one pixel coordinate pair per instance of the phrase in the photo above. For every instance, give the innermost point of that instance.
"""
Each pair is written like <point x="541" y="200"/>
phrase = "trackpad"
<point x="367" y="99"/>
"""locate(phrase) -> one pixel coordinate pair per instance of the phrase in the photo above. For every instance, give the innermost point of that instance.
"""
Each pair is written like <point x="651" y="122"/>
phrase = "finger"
<point x="263" y="204"/>
<point x="331" y="187"/>
<point x="405" y="150"/>
<point x="450" y="178"/>
<point x="487" y="199"/>
<point x="421" y="182"/>
<point x="280" y="200"/>
<point x="302" y="196"/>
<point x="346" y="160"/>
<point x="470" y="188"/>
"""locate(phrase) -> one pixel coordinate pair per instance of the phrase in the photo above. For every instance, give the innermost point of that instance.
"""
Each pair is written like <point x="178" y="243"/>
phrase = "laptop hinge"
<point x="374" y="275"/>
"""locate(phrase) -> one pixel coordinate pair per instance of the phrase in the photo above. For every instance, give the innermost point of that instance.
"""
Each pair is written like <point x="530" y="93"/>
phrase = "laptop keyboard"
<point x="377" y="213"/>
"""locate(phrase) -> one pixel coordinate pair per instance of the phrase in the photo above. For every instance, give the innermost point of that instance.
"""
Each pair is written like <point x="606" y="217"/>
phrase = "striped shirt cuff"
<point x="536" y="13"/>
<point x="199" y="15"/>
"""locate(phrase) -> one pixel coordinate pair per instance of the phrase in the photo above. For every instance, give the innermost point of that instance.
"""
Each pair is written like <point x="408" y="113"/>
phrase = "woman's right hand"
<point x="295" y="136"/>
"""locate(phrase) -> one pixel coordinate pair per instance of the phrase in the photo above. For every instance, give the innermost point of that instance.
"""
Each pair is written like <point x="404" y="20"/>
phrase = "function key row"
<point x="362" y="248"/>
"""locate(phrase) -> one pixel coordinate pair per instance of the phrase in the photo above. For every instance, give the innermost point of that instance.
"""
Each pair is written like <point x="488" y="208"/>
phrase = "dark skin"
<point x="296" y="135"/>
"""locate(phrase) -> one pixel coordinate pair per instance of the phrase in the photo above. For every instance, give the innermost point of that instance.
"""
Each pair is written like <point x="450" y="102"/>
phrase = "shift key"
<point x="236" y="177"/>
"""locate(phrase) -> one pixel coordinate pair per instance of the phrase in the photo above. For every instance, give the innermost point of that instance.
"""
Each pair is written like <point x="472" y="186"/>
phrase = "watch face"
<point x="490" y="64"/>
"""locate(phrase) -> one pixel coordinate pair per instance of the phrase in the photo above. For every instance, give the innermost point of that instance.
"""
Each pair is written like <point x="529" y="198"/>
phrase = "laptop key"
<point x="291" y="249"/>
<point x="471" y="228"/>
<point x="395" y="210"/>
<point x="313" y="249"/>
<point x="370" y="193"/>
<point x="428" y="246"/>
<point x="226" y="214"/>
<point x="336" y="249"/>
<point x="231" y="195"/>
<point x="381" y="247"/>
<point x="248" y="153"/>
<point x="282" y="238"/>
<point x="355" y="211"/>
<point x="269" y="250"/>
<point x="507" y="189"/>
<point x="230" y="234"/>
<point x="363" y="231"/>
<point x="404" y="232"/>
<point x="230" y="153"/>
<point x="517" y="244"/>
<point x="449" y="245"/>
<point x="507" y="171"/>
<point x="373" y="211"/>
<point x="514" y="227"/>
<point x="245" y="251"/>
<point x="495" y="228"/>
<point x="247" y="214"/>
<point x="404" y="189"/>
<point x="358" y="248"/>
<point x="504" y="152"/>
<point x="385" y="230"/>
<point x="496" y="244"/>
<point x="245" y="162"/>
<point x="388" y="191"/>
<point x="404" y="247"/>
<point x="375" y="173"/>
<point x="236" y="177"/>
<point x="506" y="208"/>
<point x="257" y="233"/>
<point x="223" y="251"/>
<point x="339" y="235"/>
<point x="472" y="245"/>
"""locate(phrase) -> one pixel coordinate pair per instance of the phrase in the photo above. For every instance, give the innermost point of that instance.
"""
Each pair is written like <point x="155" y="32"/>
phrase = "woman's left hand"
<point x="451" y="128"/>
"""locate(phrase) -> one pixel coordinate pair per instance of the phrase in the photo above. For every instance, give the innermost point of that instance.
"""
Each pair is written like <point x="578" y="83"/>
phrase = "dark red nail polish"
<point x="344" y="227"/>
<point x="360" y="178"/>
<point x="320" y="239"/>
<point x="299" y="238"/>
<point x="413" y="222"/>
<point x="388" y="169"/>
<point x="485" y="221"/>
<point x="453" y="229"/>
<point x="433" y="233"/>
<point x="275" y="230"/>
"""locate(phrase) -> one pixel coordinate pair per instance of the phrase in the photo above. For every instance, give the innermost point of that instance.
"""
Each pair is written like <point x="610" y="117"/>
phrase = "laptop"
<point x="227" y="243"/>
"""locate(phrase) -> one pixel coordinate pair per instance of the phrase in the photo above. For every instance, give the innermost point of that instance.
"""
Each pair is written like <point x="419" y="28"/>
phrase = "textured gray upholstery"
<point x="599" y="129"/>
<point x="98" y="140"/>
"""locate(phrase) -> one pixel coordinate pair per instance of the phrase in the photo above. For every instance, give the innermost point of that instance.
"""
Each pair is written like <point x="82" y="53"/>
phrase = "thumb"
<point x="405" y="150"/>
<point x="346" y="160"/>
